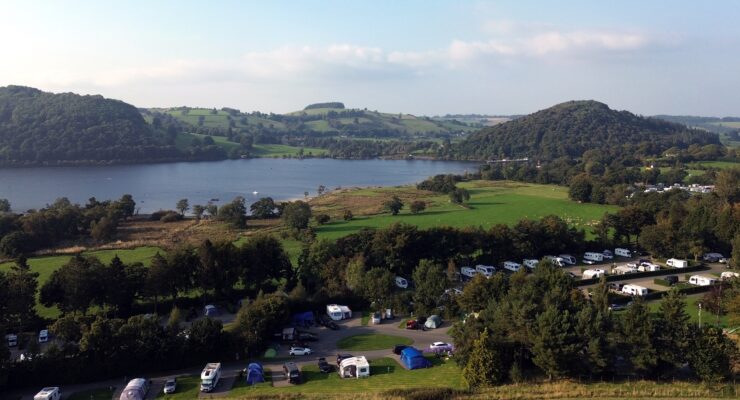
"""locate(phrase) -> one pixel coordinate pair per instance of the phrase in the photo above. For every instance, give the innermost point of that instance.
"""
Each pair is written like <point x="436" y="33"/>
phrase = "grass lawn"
<point x="94" y="394"/>
<point x="46" y="265"/>
<point x="367" y="342"/>
<point x="385" y="374"/>
<point x="718" y="164"/>
<point x="707" y="318"/>
<point x="281" y="150"/>
<point x="365" y="318"/>
<point x="188" y="387"/>
<point x="490" y="203"/>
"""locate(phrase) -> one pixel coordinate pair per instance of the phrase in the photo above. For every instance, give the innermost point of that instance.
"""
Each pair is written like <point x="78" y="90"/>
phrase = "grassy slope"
<point x="367" y="342"/>
<point x="188" y="387"/>
<point x="692" y="309"/>
<point x="491" y="203"/>
<point x="719" y="164"/>
<point x="183" y="140"/>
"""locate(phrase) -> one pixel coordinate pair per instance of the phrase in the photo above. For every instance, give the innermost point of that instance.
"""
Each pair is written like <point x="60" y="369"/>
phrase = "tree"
<point x="727" y="185"/>
<point x="15" y="244"/>
<point x="484" y="367"/>
<point x="4" y="205"/>
<point x="711" y="355"/>
<point x="735" y="252"/>
<point x="322" y="219"/>
<point x="182" y="206"/>
<point x="198" y="211"/>
<point x="580" y="188"/>
<point x="638" y="333"/>
<point x="459" y="196"/>
<point x="429" y="280"/>
<point x="21" y="293"/>
<point x="235" y="213"/>
<point x="257" y="320"/>
<point x="264" y="208"/>
<point x="672" y="333"/>
<point x="347" y="215"/>
<point x="127" y="206"/>
<point x="212" y="209"/>
<point x="321" y="190"/>
<point x="417" y="206"/>
<point x="296" y="214"/>
<point x="103" y="229"/>
<point x="75" y="286"/>
<point x="394" y="205"/>
<point x="377" y="286"/>
<point x="555" y="343"/>
<point x="158" y="279"/>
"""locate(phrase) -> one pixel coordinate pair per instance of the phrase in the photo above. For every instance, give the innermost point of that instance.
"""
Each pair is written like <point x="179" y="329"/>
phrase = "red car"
<point x="412" y="324"/>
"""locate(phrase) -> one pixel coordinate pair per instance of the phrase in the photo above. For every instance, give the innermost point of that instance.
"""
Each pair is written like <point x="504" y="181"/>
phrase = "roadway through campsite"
<point x="326" y="346"/>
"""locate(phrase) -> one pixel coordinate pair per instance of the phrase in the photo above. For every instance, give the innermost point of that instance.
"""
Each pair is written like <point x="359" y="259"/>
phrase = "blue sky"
<point x="422" y="57"/>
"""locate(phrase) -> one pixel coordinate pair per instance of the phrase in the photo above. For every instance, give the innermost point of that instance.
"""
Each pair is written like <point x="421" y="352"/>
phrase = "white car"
<point x="402" y="282"/>
<point x="300" y="351"/>
<point x="170" y="385"/>
<point x="43" y="336"/>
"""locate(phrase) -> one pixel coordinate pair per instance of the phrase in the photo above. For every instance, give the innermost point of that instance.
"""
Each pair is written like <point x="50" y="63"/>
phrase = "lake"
<point x="159" y="186"/>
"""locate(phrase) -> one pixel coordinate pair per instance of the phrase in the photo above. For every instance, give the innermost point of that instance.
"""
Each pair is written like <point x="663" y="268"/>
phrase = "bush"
<point x="661" y="282"/>
<point x="171" y="216"/>
<point x="322" y="219"/>
<point x="348" y="215"/>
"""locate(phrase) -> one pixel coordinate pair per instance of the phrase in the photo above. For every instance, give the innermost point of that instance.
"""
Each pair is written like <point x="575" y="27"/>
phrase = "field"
<point x="367" y="342"/>
<point x="46" y="265"/>
<point x="188" y="387"/>
<point x="491" y="203"/>
<point x="692" y="308"/>
<point x="717" y="164"/>
<point x="385" y="374"/>
<point x="183" y="140"/>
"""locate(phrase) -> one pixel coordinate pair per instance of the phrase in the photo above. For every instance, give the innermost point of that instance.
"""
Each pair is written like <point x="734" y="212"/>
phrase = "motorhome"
<point x="593" y="273"/>
<point x="622" y="252"/>
<point x="530" y="263"/>
<point x="676" y="263"/>
<point x="702" y="280"/>
<point x="48" y="393"/>
<point x="210" y="376"/>
<point x="634" y="290"/>
<point x="593" y="256"/>
<point x="402" y="282"/>
<point x="338" y="312"/>
<point x="568" y="259"/>
<point x="485" y="270"/>
<point x="136" y="389"/>
<point x="648" y="267"/>
<point x="727" y="275"/>
<point x="512" y="266"/>
<point x="354" y="367"/>
<point x="468" y="272"/>
<point x="558" y="261"/>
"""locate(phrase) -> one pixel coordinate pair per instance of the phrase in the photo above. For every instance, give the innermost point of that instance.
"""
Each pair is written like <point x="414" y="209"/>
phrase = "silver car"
<point x="170" y="385"/>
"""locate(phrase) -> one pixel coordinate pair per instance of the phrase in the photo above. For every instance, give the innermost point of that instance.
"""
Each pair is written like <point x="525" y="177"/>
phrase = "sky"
<point x="423" y="57"/>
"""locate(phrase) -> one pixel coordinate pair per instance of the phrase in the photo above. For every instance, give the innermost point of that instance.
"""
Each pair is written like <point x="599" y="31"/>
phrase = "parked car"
<point x="299" y="351"/>
<point x="342" y="356"/>
<point x="43" y="336"/>
<point x="210" y="310"/>
<point x="402" y="283"/>
<point x="440" y="347"/>
<point x="170" y="385"/>
<point x="671" y="279"/>
<point x="397" y="349"/>
<point x="589" y="262"/>
<point x="412" y="324"/>
<point x="324" y="366"/>
<point x="375" y="318"/>
<point x="608" y="254"/>
<point x="617" y="307"/>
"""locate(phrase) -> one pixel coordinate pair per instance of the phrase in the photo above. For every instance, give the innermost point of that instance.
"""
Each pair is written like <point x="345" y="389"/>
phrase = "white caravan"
<point x="530" y="263"/>
<point x="512" y="266"/>
<point x="634" y="290"/>
<point x="569" y="259"/>
<point x="338" y="312"/>
<point x="210" y="376"/>
<point x="727" y="275"/>
<point x="648" y="267"/>
<point x="624" y="269"/>
<point x="468" y="272"/>
<point x="558" y="261"/>
<point x="593" y="256"/>
<point x="354" y="367"/>
<point x="48" y="393"/>
<point x="485" y="270"/>
<point x="135" y="390"/>
<point x="676" y="263"/>
<point x="622" y="252"/>
<point x="593" y="273"/>
<point x="702" y="280"/>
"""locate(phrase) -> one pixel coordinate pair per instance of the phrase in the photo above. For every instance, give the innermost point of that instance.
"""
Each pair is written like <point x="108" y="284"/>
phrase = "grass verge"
<point x="367" y="342"/>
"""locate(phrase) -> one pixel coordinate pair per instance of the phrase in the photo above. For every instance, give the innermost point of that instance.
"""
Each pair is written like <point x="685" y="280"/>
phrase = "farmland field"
<point x="491" y="203"/>
<point x="258" y="150"/>
<point x="718" y="164"/>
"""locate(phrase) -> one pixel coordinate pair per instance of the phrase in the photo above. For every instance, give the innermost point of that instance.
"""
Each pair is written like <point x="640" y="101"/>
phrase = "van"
<point x="48" y="393"/>
<point x="593" y="256"/>
<point x="292" y="372"/>
<point x="43" y="336"/>
<point x="485" y="270"/>
<point x="702" y="280"/>
<point x="530" y="263"/>
<point x="622" y="252"/>
<point x="512" y="266"/>
<point x="607" y="254"/>
<point x="402" y="282"/>
<point x="634" y="290"/>
<point x="468" y="272"/>
<point x="648" y="267"/>
<point x="557" y="261"/>
<point x="676" y="263"/>
<point x="12" y="340"/>
<point x="713" y="257"/>
<point x="569" y="259"/>
<point x="210" y="376"/>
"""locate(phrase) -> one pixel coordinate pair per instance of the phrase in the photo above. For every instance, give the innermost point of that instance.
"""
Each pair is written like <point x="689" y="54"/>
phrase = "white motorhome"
<point x="727" y="275"/>
<point x="354" y="367"/>
<point x="634" y="290"/>
<point x="593" y="273"/>
<point x="485" y="270"/>
<point x="558" y="261"/>
<point x="676" y="263"/>
<point x="702" y="280"/>
<point x="622" y="252"/>
<point x="338" y="312"/>
<point x="569" y="259"/>
<point x="530" y="263"/>
<point x="402" y="282"/>
<point x="136" y="389"/>
<point x="593" y="256"/>
<point x="624" y="269"/>
<point x="48" y="393"/>
<point x="512" y="266"/>
<point x="648" y="267"/>
<point x="468" y="272"/>
<point x="210" y="376"/>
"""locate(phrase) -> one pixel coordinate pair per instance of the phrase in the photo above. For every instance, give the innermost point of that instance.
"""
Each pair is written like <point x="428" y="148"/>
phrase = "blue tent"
<point x="255" y="374"/>
<point x="304" y="319"/>
<point x="412" y="358"/>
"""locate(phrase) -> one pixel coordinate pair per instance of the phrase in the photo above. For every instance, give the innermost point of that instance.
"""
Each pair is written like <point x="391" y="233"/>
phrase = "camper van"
<point x="593" y="256"/>
<point x="512" y="266"/>
<point x="568" y="259"/>
<point x="354" y="367"/>
<point x="338" y="312"/>
<point x="402" y="282"/>
<point x="557" y="261"/>
<point x="485" y="270"/>
<point x="48" y="393"/>
<point x="210" y="376"/>
<point x="593" y="273"/>
<point x="468" y="272"/>
<point x="622" y="252"/>
<point x="727" y="275"/>
<point x="676" y="263"/>
<point x="135" y="390"/>
<point x="530" y="263"/>
<point x="702" y="280"/>
<point x="634" y="290"/>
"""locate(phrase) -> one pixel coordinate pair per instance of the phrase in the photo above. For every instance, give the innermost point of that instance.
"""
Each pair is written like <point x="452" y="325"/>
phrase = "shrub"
<point x="322" y="219"/>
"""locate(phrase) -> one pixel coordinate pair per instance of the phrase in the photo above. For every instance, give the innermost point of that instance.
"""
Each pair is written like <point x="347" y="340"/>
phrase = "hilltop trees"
<point x="264" y="208"/>
<point x="393" y="205"/>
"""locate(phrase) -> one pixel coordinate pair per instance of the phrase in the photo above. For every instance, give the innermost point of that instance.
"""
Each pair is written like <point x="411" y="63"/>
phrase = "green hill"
<point x="44" y="128"/>
<point x="572" y="128"/>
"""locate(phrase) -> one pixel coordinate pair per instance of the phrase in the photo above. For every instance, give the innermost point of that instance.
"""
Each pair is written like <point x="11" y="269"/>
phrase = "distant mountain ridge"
<point x="571" y="128"/>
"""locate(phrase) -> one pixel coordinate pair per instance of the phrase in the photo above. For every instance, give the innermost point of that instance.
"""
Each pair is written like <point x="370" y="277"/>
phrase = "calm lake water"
<point x="159" y="186"/>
